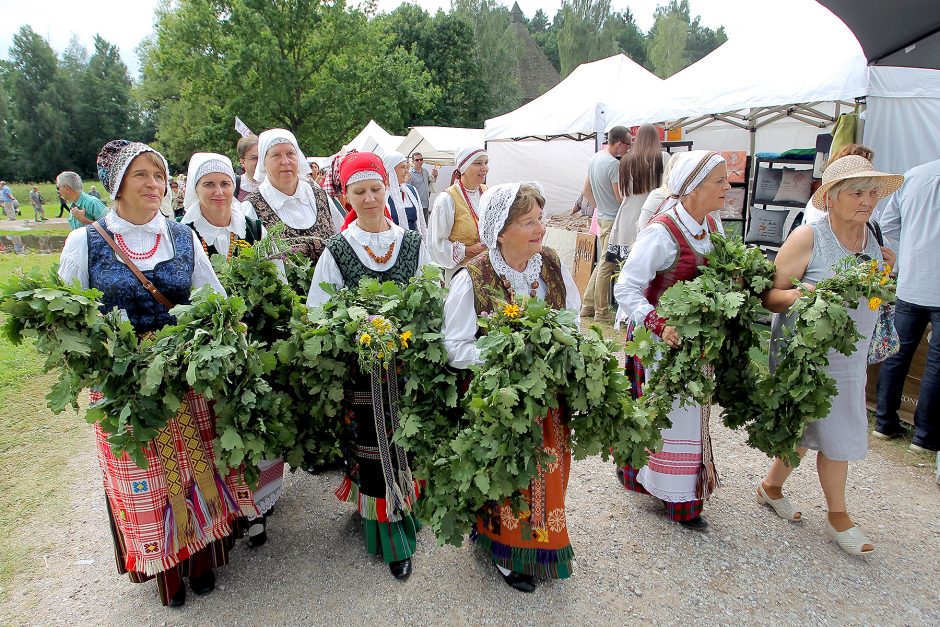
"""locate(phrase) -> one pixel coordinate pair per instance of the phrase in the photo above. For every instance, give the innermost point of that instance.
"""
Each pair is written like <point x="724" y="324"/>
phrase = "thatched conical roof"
<point x="534" y="72"/>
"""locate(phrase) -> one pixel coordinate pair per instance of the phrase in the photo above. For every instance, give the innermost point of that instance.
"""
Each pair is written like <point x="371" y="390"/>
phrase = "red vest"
<point x="685" y="266"/>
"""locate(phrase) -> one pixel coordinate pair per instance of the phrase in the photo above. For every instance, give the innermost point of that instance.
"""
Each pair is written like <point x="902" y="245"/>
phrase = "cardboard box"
<point x="584" y="252"/>
<point x="911" y="392"/>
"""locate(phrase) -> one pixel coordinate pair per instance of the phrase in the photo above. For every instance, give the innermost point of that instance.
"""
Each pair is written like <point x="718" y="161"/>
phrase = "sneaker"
<point x="917" y="448"/>
<point x="888" y="433"/>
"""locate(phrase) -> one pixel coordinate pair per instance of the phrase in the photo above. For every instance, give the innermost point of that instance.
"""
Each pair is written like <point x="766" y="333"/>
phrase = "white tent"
<point x="575" y="108"/>
<point x="374" y="138"/>
<point x="438" y="143"/>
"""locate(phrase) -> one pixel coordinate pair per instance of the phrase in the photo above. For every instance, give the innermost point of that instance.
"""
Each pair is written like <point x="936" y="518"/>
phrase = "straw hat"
<point x="854" y="167"/>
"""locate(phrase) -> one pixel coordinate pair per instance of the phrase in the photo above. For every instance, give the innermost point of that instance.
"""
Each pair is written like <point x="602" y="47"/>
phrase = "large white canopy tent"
<point x="374" y="138"/>
<point x="544" y="140"/>
<point x="439" y="143"/>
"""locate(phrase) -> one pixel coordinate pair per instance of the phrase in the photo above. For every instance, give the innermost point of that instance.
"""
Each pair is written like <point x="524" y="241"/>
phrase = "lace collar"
<point x="378" y="240"/>
<point x="211" y="232"/>
<point x="521" y="282"/>
<point x="118" y="225"/>
<point x="276" y="198"/>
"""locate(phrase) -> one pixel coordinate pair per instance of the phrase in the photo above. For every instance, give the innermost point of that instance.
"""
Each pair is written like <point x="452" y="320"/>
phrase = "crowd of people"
<point x="369" y="217"/>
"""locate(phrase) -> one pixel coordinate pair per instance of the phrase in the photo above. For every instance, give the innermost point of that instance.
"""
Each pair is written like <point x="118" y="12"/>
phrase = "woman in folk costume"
<point x="516" y="264"/>
<point x="453" y="232"/>
<point x="403" y="202"/>
<point x="174" y="519"/>
<point x="223" y="228"/>
<point x="285" y="196"/>
<point x="247" y="151"/>
<point x="378" y="477"/>
<point x="669" y="250"/>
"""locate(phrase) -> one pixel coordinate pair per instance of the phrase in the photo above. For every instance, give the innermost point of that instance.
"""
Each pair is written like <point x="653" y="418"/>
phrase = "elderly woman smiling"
<point x="515" y="264"/>
<point x="850" y="189"/>
<point x="284" y="195"/>
<point x="670" y="250"/>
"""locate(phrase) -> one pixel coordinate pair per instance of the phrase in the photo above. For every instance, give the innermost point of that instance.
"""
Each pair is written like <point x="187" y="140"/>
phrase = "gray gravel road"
<point x="632" y="567"/>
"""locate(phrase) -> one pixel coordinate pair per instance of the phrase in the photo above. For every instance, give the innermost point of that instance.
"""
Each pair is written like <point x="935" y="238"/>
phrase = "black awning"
<point x="893" y="32"/>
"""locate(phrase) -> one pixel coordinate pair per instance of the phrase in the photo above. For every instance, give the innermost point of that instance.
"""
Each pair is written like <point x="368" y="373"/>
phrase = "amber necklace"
<point x="384" y="258"/>
<point x="512" y="293"/>
<point x="231" y="245"/>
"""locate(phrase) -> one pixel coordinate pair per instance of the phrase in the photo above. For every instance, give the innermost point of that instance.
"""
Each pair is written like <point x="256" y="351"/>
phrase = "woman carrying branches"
<point x="515" y="263"/>
<point x="222" y="227"/>
<point x="174" y="518"/>
<point x="284" y="195"/>
<point x="849" y="192"/>
<point x="669" y="250"/>
<point x="378" y="476"/>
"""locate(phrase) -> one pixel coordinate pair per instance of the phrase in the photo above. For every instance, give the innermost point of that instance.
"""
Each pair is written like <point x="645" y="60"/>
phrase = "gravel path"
<point x="633" y="566"/>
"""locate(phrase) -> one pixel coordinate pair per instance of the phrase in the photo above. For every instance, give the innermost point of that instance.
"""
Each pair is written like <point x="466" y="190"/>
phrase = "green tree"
<point x="676" y="40"/>
<point x="587" y="33"/>
<point x="547" y="37"/>
<point x="445" y="45"/>
<point x="321" y="69"/>
<point x="539" y="23"/>
<point x="495" y="54"/>
<point x="630" y="39"/>
<point x="40" y="125"/>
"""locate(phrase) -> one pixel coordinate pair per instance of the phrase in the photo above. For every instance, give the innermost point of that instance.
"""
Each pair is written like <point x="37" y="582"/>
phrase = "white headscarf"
<point x="201" y="164"/>
<point x="689" y="169"/>
<point x="396" y="191"/>
<point x="466" y="155"/>
<point x="494" y="211"/>
<point x="273" y="137"/>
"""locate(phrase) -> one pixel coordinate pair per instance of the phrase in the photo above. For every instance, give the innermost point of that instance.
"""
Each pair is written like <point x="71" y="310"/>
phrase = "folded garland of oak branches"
<point x="716" y="317"/>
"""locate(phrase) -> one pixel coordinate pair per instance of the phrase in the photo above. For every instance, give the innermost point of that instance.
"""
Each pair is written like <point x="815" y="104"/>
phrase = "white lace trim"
<point x="383" y="239"/>
<point x="521" y="282"/>
<point x="118" y="225"/>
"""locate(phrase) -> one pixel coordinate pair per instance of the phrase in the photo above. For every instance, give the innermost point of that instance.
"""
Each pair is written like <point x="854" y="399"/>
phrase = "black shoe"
<point x="620" y="476"/>
<point x="696" y="524"/>
<point x="401" y="570"/>
<point x="258" y="539"/>
<point x="519" y="581"/>
<point x="178" y="599"/>
<point x="204" y="584"/>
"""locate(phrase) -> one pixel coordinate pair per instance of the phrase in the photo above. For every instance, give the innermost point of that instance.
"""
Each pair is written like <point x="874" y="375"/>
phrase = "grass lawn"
<point x="35" y="447"/>
<point x="21" y="193"/>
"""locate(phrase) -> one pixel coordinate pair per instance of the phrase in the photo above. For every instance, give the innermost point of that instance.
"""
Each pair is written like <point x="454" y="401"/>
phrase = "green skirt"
<point x="392" y="541"/>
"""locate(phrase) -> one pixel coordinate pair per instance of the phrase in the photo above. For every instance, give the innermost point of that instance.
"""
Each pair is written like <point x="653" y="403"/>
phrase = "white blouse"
<point x="654" y="251"/>
<point x="460" y="316"/>
<point x="73" y="262"/>
<point x="298" y="211"/>
<point x="218" y="236"/>
<point x="444" y="252"/>
<point x="327" y="271"/>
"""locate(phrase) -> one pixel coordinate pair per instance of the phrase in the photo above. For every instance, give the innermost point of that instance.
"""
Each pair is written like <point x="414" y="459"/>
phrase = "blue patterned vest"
<point x="123" y="290"/>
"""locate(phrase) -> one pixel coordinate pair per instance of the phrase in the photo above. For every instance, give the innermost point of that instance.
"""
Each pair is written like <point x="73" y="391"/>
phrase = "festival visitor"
<point x="423" y="180"/>
<point x="669" y="250"/>
<point x="849" y="192"/>
<point x="86" y="209"/>
<point x="247" y="151"/>
<point x="641" y="171"/>
<point x="222" y="227"/>
<point x="36" y="200"/>
<point x="516" y="264"/>
<point x="166" y="205"/>
<point x="453" y="233"/>
<point x="602" y="189"/>
<point x="403" y="202"/>
<point x="314" y="176"/>
<point x="6" y="195"/>
<point x="911" y="222"/>
<point x="94" y="192"/>
<point x="284" y="196"/>
<point x="153" y="513"/>
<point x="656" y="198"/>
<point x="378" y="477"/>
<point x="177" y="204"/>
<point x="811" y="213"/>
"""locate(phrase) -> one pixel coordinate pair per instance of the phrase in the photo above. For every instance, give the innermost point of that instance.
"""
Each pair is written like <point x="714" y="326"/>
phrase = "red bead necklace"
<point x="136" y="256"/>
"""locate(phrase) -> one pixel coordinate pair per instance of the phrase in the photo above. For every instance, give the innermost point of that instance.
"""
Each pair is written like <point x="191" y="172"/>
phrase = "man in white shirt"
<point x="911" y="226"/>
<point x="602" y="189"/>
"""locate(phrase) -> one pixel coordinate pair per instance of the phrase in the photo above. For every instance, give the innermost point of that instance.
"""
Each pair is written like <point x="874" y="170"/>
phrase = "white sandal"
<point x="851" y="540"/>
<point x="784" y="508"/>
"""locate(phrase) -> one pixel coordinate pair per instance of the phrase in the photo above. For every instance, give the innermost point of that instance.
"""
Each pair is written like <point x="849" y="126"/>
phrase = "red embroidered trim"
<point x="473" y="213"/>
<point x="654" y="323"/>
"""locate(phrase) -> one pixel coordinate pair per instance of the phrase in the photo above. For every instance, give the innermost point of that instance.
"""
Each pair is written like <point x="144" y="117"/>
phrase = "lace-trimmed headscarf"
<point x="201" y="164"/>
<point x="273" y="137"/>
<point x="689" y="169"/>
<point x="114" y="158"/>
<point x="494" y="212"/>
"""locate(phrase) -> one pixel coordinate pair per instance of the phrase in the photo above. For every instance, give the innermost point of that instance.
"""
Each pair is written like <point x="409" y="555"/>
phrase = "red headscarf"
<point x="355" y="163"/>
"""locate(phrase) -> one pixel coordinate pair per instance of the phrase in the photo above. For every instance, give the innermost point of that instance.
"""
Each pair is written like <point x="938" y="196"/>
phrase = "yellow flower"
<point x="381" y="355"/>
<point x="874" y="303"/>
<point x="512" y="311"/>
<point x="404" y="338"/>
<point x="390" y="345"/>
<point x="377" y="322"/>
<point x="887" y="270"/>
<point x="884" y="280"/>
<point x="365" y="339"/>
